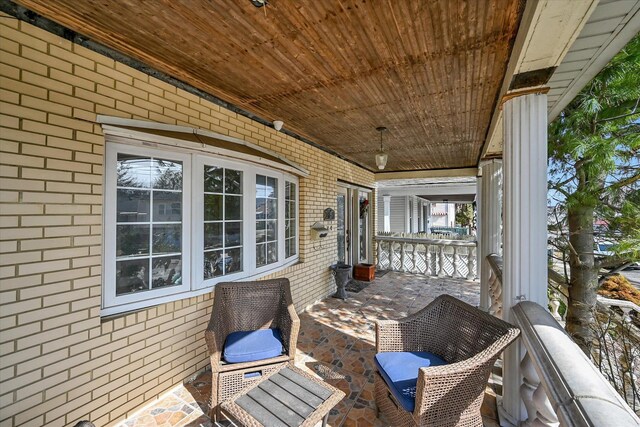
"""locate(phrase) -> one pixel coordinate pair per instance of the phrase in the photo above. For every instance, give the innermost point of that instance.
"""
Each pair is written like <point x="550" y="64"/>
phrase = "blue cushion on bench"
<point x="400" y="371"/>
<point x="249" y="346"/>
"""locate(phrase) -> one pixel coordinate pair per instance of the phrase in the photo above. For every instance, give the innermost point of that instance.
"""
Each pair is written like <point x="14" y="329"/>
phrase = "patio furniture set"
<point x="432" y="367"/>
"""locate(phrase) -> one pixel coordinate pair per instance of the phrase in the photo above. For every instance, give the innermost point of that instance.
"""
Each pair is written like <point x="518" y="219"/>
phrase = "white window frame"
<point x="192" y="224"/>
<point x="198" y="219"/>
<point x="136" y="299"/>
<point x="293" y="180"/>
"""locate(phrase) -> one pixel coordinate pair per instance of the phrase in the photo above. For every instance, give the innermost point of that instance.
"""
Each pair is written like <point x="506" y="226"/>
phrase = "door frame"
<point x="352" y="223"/>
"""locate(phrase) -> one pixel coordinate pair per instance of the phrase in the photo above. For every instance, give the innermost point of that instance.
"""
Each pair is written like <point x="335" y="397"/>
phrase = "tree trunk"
<point x="584" y="277"/>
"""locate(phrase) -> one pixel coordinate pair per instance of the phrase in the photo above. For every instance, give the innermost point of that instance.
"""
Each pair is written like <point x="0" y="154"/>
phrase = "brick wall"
<point x="60" y="362"/>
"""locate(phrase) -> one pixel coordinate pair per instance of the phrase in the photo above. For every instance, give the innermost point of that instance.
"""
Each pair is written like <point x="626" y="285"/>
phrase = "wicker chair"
<point x="468" y="340"/>
<point x="248" y="306"/>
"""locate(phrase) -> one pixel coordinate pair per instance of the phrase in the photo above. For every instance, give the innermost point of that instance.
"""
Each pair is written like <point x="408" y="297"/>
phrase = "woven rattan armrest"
<point x="289" y="329"/>
<point x="215" y="336"/>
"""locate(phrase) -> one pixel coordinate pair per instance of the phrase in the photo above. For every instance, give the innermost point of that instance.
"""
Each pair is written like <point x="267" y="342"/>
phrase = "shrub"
<point x="618" y="287"/>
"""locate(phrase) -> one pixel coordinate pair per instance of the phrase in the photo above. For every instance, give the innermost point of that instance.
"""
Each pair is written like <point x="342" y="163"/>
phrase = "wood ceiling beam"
<point x="442" y="173"/>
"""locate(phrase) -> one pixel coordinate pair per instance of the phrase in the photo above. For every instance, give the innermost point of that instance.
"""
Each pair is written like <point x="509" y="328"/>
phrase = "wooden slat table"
<point x="288" y="397"/>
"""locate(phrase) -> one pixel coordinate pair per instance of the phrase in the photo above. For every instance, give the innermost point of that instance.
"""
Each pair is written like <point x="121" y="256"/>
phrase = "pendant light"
<point x="381" y="157"/>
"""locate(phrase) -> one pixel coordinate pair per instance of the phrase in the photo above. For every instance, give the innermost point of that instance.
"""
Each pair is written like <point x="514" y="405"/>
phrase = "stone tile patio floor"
<point x="337" y="343"/>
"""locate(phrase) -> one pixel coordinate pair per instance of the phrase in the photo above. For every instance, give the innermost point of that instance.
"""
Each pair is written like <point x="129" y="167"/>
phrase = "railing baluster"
<point x="441" y="261"/>
<point x="390" y="255"/>
<point x="402" y="255"/>
<point x="415" y="258"/>
<point x="427" y="260"/>
<point x="455" y="273"/>
<point x="470" y="273"/>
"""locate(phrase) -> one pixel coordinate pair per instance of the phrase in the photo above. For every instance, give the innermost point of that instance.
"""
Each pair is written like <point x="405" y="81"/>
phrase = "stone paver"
<point x="336" y="343"/>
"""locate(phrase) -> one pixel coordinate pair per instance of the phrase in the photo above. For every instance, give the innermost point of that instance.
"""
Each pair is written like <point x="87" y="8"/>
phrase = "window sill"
<point x="111" y="313"/>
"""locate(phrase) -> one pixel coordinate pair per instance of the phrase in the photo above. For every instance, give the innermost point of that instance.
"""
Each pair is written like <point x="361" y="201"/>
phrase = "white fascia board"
<point x="430" y="190"/>
<point x="440" y="173"/>
<point x="114" y="124"/>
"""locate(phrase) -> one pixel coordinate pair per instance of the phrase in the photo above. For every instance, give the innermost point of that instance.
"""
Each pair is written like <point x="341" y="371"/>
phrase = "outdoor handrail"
<point x="561" y="385"/>
<point x="416" y="255"/>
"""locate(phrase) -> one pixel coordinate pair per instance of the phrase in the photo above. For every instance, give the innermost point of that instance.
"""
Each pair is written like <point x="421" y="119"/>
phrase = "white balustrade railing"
<point x="433" y="257"/>
<point x="560" y="385"/>
<point x="626" y="306"/>
<point x="495" y="285"/>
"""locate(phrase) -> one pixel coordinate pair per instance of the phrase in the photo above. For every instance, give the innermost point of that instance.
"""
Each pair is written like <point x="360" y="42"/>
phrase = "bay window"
<point x="178" y="221"/>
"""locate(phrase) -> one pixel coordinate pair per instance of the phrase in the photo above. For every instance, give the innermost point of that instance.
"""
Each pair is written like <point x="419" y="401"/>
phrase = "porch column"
<point x="525" y="226"/>
<point x="386" y="212"/>
<point x="479" y="221"/>
<point x="490" y="213"/>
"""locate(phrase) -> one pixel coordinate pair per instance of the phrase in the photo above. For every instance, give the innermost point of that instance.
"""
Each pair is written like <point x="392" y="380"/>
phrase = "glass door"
<point x="342" y="219"/>
<point x="363" y="221"/>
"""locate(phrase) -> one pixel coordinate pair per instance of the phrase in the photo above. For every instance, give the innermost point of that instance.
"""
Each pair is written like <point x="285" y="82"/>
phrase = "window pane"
<point x="272" y="252"/>
<point x="213" y="235"/>
<point x="212" y="207"/>
<point x="261" y="231"/>
<point x="232" y="207"/>
<point x="292" y="192"/>
<point x="272" y="208"/>
<point x="133" y="205"/>
<point x="261" y="255"/>
<point x="289" y="248"/>
<point x="212" y="179"/>
<point x="292" y="209"/>
<point x="167" y="238"/>
<point x="290" y="228"/>
<point x="233" y="234"/>
<point x="261" y="186"/>
<point x="212" y="264"/>
<point x="132" y="276"/>
<point x="233" y="260"/>
<point x="167" y="206"/>
<point x="166" y="271"/>
<point x="133" y="171"/>
<point x="261" y="208"/>
<point x="272" y="230"/>
<point x="132" y="240"/>
<point x="166" y="174"/>
<point x="272" y="187"/>
<point x="233" y="181"/>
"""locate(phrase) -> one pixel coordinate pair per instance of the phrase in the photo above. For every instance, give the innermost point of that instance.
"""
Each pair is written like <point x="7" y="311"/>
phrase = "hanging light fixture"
<point x="381" y="157"/>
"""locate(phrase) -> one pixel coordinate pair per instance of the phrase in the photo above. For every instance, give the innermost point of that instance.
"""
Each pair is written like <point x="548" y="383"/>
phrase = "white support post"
<point x="525" y="227"/>
<point x="490" y="213"/>
<point x="479" y="221"/>
<point x="386" y="213"/>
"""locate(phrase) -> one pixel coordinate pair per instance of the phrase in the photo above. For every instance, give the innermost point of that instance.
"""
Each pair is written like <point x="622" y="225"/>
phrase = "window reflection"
<point x="222" y="221"/>
<point x="266" y="220"/>
<point x="148" y="223"/>
<point x="290" y="230"/>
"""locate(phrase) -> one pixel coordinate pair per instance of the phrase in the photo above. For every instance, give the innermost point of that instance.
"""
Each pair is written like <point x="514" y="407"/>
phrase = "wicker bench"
<point x="287" y="397"/>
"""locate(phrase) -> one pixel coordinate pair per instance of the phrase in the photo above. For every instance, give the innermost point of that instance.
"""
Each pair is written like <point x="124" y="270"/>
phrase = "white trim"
<point x="192" y="224"/>
<point x="113" y="125"/>
<point x="194" y="293"/>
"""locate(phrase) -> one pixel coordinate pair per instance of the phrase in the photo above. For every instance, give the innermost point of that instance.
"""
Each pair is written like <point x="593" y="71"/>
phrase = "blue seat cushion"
<point x="249" y="346"/>
<point x="400" y="371"/>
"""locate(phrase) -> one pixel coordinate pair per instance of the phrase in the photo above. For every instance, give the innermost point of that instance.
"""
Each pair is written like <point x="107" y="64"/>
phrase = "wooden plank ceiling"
<point x="333" y="70"/>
